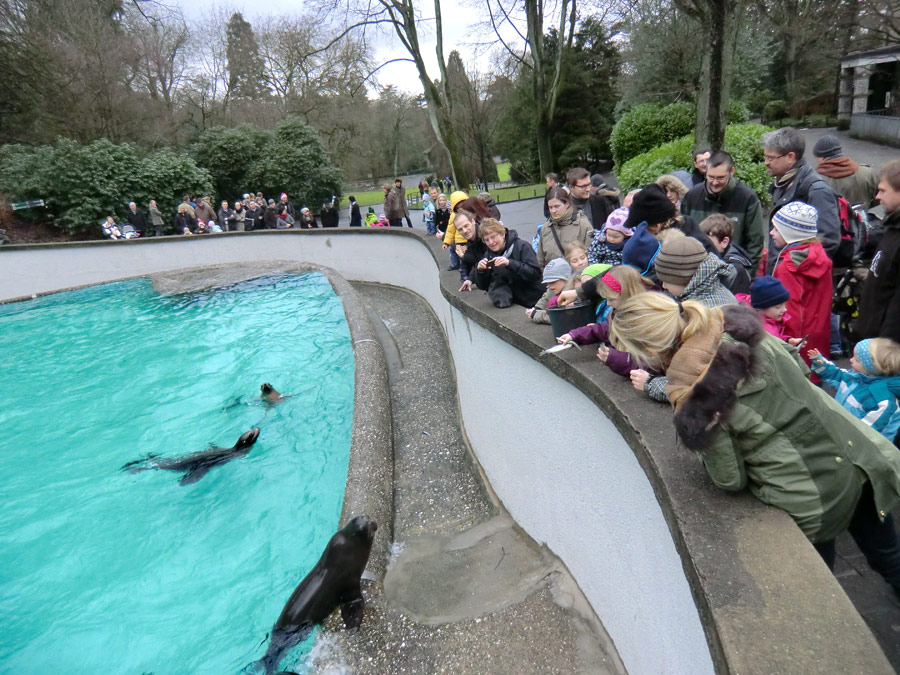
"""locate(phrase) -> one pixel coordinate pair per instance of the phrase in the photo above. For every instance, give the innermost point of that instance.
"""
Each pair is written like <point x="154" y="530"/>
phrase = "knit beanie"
<point x="651" y="206"/>
<point x="796" y="221"/>
<point x="641" y="249"/>
<point x="828" y="147"/>
<point x="678" y="259"/>
<point x="616" y="221"/>
<point x="557" y="270"/>
<point x="767" y="291"/>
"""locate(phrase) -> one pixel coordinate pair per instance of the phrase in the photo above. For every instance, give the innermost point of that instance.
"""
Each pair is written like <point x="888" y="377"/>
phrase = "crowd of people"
<point x="196" y="215"/>
<point x="707" y="303"/>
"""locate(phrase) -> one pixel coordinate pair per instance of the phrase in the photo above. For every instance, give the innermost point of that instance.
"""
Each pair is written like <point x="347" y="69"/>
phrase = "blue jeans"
<point x="876" y="539"/>
<point x="454" y="259"/>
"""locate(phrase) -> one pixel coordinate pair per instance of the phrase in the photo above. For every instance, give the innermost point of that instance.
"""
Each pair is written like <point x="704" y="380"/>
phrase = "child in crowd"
<point x="577" y="257"/>
<point x="428" y="214"/>
<point x="556" y="275"/>
<point x="371" y="218"/>
<point x="110" y="229"/>
<point x="382" y="221"/>
<point x="769" y="298"/>
<point x="615" y="286"/>
<point x="213" y="226"/>
<point x="688" y="272"/>
<point x="869" y="390"/>
<point x="719" y="229"/>
<point x="805" y="270"/>
<point x="441" y="216"/>
<point x="608" y="243"/>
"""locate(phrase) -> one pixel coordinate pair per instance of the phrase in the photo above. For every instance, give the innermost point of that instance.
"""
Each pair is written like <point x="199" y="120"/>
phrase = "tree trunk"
<point x="712" y="106"/>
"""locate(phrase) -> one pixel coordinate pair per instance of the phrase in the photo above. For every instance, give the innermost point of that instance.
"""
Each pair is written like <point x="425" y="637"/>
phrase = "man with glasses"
<point x="795" y="180"/>
<point x="579" y="187"/>
<point x="722" y="193"/>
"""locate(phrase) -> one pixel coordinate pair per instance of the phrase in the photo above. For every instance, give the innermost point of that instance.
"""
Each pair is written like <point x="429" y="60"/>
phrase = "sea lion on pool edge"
<point x="198" y="463"/>
<point x="333" y="582"/>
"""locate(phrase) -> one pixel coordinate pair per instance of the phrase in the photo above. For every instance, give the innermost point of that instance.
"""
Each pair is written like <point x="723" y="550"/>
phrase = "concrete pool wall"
<point x="685" y="579"/>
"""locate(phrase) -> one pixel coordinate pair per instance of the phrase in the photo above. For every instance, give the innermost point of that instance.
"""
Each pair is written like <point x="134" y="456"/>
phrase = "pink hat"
<point x="616" y="221"/>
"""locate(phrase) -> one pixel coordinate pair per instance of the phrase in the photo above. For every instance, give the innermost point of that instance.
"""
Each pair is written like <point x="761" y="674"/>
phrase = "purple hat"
<point x="616" y="221"/>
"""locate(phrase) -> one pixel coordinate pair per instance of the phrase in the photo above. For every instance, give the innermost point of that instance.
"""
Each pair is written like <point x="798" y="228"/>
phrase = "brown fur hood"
<point x="713" y="395"/>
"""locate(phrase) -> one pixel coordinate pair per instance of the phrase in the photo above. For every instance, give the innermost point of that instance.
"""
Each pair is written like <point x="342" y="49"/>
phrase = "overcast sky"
<point x="459" y="34"/>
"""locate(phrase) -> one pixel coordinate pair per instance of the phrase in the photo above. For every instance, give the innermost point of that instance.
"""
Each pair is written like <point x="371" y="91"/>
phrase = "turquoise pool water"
<point x="104" y="571"/>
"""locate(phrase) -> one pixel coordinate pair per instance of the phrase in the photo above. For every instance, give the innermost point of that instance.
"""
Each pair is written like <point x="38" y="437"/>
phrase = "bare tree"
<point x="546" y="70"/>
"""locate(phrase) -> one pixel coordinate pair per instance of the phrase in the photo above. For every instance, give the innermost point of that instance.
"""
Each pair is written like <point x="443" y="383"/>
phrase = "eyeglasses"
<point x="717" y="179"/>
<point x="769" y="160"/>
<point x="588" y="186"/>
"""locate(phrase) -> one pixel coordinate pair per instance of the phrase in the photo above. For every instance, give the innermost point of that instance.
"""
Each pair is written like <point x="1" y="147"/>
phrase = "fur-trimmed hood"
<point x="712" y="397"/>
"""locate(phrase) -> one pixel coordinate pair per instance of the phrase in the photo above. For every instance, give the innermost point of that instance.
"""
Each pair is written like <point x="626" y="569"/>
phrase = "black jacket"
<point x="355" y="217"/>
<point x="441" y="219"/>
<point x="879" y="306"/>
<point x="270" y="217"/>
<point x="138" y="220"/>
<point x="523" y="274"/>
<point x="329" y="217"/>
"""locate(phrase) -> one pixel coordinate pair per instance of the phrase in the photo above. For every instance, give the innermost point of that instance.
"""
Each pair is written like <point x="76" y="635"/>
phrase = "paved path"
<point x="466" y="591"/>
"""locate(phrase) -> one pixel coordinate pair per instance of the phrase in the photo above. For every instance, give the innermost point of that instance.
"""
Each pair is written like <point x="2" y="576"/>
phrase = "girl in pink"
<point x="769" y="298"/>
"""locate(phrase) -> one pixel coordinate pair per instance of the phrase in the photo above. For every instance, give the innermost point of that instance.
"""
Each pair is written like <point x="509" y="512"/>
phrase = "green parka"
<point x="744" y="401"/>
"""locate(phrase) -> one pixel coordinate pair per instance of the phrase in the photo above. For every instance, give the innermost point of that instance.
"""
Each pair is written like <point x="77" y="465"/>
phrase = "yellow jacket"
<point x="451" y="236"/>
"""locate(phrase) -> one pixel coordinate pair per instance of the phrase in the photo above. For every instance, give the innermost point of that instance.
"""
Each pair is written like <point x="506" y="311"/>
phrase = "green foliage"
<point x="82" y="184"/>
<point x="774" y="110"/>
<point x="648" y="125"/>
<point x="742" y="141"/>
<point x="503" y="172"/>
<point x="293" y="161"/>
<point x="738" y="112"/>
<point x="227" y="154"/>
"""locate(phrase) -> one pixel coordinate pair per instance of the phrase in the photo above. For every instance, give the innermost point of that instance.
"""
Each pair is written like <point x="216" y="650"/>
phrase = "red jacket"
<point x="805" y="271"/>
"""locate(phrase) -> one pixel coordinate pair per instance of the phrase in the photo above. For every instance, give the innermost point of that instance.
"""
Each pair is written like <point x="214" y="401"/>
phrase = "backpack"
<point x="854" y="233"/>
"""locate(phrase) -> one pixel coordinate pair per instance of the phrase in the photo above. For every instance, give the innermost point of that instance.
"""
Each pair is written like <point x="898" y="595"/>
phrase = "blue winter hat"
<point x="767" y="291"/>
<point x="796" y="221"/>
<point x="641" y="249"/>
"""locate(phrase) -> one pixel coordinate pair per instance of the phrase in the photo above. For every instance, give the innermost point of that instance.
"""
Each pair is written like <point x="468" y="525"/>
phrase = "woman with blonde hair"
<point x="742" y="400"/>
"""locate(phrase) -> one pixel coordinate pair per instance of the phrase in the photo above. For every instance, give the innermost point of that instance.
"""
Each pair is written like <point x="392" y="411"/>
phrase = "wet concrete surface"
<point x="466" y="591"/>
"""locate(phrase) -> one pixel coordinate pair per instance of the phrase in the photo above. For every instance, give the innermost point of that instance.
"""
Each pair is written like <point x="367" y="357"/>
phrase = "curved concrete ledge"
<point x="686" y="578"/>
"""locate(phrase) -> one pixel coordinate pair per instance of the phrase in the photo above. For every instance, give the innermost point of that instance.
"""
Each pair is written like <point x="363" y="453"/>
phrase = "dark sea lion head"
<point x="361" y="527"/>
<point x="247" y="439"/>
<point x="269" y="393"/>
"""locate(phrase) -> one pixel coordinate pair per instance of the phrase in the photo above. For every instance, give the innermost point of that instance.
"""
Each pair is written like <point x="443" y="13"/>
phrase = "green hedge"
<point x="82" y="184"/>
<point x="742" y="141"/>
<point x="648" y="125"/>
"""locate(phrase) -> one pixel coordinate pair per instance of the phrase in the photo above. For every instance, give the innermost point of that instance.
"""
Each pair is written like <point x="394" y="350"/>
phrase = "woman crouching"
<point x="743" y="401"/>
<point x="509" y="271"/>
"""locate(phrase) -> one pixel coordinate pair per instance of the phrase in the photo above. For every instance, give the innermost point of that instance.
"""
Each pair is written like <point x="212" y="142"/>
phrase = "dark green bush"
<point x="743" y="141"/>
<point x="843" y="124"/>
<point x="82" y="184"/>
<point x="738" y="112"/>
<point x="294" y="161"/>
<point x="227" y="154"/>
<point x="648" y="125"/>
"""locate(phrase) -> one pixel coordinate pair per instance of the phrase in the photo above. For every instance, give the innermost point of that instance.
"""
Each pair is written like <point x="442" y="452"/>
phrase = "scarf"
<point x="565" y="219"/>
<point x="786" y="179"/>
<point x="837" y="167"/>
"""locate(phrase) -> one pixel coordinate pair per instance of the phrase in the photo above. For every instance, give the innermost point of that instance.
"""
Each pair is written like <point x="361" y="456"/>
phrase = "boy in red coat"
<point x="805" y="270"/>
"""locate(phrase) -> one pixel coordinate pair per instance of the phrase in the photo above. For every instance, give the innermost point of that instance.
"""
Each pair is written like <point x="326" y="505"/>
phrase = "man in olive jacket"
<point x="722" y="193"/>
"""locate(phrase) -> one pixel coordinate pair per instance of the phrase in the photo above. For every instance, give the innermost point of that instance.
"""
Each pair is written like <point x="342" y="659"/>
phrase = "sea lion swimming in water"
<point x="270" y="394"/>
<point x="333" y="582"/>
<point x="197" y="464"/>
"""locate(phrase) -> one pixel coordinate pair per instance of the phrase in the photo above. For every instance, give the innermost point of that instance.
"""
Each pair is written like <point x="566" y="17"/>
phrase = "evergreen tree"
<point x="246" y="68"/>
